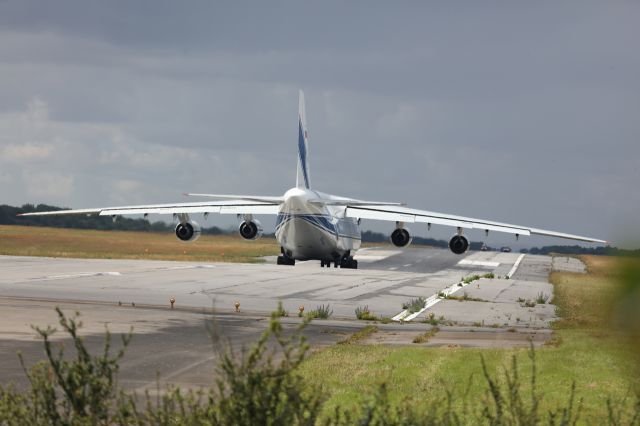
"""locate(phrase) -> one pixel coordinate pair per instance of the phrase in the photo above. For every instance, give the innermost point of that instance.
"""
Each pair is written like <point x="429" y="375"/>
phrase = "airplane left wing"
<point x="220" y="207"/>
<point x="407" y="215"/>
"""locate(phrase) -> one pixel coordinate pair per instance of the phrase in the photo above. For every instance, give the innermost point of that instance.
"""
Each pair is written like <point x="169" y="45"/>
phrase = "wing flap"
<point x="379" y="215"/>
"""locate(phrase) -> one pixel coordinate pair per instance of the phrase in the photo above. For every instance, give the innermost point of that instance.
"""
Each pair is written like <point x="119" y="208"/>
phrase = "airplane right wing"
<point x="408" y="215"/>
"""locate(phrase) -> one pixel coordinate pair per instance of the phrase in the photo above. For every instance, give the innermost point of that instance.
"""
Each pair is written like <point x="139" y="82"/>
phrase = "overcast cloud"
<point x="523" y="112"/>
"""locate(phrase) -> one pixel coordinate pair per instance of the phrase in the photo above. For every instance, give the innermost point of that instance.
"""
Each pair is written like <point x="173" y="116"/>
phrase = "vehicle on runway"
<point x="312" y="225"/>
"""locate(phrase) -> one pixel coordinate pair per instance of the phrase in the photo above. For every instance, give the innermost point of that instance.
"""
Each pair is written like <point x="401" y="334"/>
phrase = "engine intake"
<point x="188" y="231"/>
<point x="459" y="244"/>
<point x="401" y="237"/>
<point x="250" y="230"/>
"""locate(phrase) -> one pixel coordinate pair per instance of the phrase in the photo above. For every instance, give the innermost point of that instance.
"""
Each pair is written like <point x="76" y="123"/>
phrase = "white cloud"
<point x="29" y="151"/>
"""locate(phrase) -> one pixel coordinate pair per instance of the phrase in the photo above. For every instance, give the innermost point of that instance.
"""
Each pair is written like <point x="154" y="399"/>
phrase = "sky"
<point x="521" y="112"/>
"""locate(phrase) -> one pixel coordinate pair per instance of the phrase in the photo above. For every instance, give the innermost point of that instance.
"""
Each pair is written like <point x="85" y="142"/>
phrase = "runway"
<point x="122" y="294"/>
<point x="386" y="279"/>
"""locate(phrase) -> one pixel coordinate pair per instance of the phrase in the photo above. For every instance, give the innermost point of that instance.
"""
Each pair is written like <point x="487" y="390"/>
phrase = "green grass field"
<point x="76" y="243"/>
<point x="585" y="350"/>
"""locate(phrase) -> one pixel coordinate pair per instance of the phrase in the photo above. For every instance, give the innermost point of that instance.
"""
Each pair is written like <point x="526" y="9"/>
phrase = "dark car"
<point x="506" y="249"/>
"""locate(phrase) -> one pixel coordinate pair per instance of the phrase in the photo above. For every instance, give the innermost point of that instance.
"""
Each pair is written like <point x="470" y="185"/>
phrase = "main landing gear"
<point x="347" y="262"/>
<point x="284" y="260"/>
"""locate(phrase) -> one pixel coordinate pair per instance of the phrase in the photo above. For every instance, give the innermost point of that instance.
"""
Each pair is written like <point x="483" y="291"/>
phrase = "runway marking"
<point x="407" y="265"/>
<point x="515" y="266"/>
<point x="479" y="263"/>
<point x="431" y="300"/>
<point x="393" y="268"/>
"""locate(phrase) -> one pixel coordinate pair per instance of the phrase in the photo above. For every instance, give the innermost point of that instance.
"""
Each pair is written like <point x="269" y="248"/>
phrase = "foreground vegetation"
<point x="80" y="243"/>
<point x="263" y="386"/>
<point x="586" y="375"/>
<point x="586" y="350"/>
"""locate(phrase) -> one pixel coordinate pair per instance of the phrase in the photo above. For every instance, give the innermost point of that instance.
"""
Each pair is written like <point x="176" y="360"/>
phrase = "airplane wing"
<point x="407" y="215"/>
<point x="221" y="207"/>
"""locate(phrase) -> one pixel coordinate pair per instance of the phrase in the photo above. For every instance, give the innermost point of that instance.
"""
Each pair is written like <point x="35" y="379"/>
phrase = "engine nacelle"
<point x="459" y="244"/>
<point x="188" y="231"/>
<point x="401" y="237"/>
<point x="250" y="230"/>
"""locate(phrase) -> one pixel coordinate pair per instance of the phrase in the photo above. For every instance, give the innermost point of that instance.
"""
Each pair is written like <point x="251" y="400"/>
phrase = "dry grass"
<point x="585" y="300"/>
<point x="359" y="335"/>
<point x="75" y="243"/>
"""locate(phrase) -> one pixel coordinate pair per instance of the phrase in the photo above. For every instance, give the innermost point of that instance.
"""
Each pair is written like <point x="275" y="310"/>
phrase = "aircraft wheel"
<point x="282" y="260"/>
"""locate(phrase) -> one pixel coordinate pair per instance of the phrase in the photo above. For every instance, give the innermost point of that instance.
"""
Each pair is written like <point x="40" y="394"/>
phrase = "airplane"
<point x="312" y="225"/>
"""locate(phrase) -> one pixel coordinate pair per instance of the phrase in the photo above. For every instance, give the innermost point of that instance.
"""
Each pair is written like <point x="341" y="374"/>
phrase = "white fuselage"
<point x="308" y="229"/>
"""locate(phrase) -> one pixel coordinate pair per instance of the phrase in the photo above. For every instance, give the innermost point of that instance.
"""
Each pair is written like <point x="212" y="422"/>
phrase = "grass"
<point x="359" y="335"/>
<point x="465" y="297"/>
<point x="424" y="337"/>
<point x="91" y="244"/>
<point x="584" y="350"/>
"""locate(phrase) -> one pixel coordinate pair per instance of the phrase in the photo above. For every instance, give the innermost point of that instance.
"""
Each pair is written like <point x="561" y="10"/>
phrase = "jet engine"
<point x="250" y="229"/>
<point x="459" y="244"/>
<point x="188" y="231"/>
<point x="401" y="237"/>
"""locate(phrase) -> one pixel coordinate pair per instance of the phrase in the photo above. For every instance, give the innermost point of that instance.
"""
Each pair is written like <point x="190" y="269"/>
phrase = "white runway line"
<point x="407" y="265"/>
<point x="431" y="300"/>
<point x="515" y="266"/>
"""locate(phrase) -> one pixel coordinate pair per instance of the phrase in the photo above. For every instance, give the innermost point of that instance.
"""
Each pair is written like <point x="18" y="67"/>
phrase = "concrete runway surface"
<point x="128" y="293"/>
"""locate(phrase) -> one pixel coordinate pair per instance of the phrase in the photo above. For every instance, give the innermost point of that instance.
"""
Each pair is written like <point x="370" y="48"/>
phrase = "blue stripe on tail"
<point x="302" y="153"/>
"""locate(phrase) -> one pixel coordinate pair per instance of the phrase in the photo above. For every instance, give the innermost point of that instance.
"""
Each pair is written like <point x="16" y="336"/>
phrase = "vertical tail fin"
<point x="302" y="178"/>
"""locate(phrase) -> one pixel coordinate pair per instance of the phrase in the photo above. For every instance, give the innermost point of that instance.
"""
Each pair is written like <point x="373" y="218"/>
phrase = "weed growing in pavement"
<point x="321" y="312"/>
<point x="363" y="313"/>
<point x="541" y="298"/>
<point x="415" y="304"/>
<point x="424" y="337"/>
<point x="280" y="312"/>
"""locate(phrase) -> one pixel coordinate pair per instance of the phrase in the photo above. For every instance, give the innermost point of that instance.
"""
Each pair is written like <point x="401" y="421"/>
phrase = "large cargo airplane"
<point x="312" y="225"/>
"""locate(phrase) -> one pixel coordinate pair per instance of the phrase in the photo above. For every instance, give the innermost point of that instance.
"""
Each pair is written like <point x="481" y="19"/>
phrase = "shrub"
<point x="490" y="275"/>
